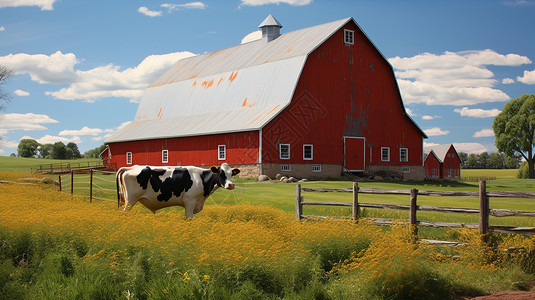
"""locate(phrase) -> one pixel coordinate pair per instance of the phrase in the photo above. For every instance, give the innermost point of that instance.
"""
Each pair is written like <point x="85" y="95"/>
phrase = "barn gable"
<point x="236" y="89"/>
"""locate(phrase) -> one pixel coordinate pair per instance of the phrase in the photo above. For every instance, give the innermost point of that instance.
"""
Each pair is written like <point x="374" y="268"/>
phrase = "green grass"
<point x="22" y="164"/>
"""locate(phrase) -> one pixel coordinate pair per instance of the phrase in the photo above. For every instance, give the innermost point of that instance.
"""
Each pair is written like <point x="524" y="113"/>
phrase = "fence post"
<point x="72" y="182"/>
<point x="483" y="208"/>
<point x="413" y="209"/>
<point x="355" y="201"/>
<point x="59" y="181"/>
<point x="298" y="200"/>
<point x="90" y="185"/>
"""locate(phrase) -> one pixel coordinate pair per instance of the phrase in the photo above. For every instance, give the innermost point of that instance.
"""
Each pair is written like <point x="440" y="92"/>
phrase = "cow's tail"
<point x="120" y="185"/>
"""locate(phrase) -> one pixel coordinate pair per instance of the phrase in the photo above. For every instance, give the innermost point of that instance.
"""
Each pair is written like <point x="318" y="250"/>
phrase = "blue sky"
<point x="81" y="66"/>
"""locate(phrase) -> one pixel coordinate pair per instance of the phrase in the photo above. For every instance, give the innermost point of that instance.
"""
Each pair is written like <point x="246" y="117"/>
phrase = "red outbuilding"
<point x="442" y="162"/>
<point x="314" y="102"/>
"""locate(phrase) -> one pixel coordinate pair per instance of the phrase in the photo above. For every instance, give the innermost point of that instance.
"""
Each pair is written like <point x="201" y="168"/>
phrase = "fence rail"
<point x="484" y="210"/>
<point x="68" y="166"/>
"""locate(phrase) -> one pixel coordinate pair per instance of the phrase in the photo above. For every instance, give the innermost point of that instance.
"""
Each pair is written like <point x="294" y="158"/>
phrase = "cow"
<point x="160" y="187"/>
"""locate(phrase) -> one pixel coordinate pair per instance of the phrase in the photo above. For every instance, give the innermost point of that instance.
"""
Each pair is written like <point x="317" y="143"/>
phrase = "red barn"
<point x="442" y="162"/>
<point x="313" y="102"/>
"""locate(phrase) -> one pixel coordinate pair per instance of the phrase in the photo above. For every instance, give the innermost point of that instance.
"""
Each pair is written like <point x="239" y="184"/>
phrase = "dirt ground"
<point x="510" y="295"/>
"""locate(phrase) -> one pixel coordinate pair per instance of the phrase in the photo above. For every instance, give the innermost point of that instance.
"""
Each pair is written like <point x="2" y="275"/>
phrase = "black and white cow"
<point x="160" y="187"/>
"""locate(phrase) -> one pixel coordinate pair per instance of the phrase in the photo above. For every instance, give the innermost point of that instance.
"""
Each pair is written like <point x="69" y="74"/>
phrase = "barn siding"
<point x="451" y="167"/>
<point x="241" y="149"/>
<point x="344" y="91"/>
<point x="432" y="166"/>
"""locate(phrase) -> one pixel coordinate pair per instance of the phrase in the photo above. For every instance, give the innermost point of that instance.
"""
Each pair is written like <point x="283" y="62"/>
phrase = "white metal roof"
<point x="439" y="150"/>
<point x="240" y="88"/>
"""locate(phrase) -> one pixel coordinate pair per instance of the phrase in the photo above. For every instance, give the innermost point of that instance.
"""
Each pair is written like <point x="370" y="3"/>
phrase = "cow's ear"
<point x="235" y="172"/>
<point x="214" y="169"/>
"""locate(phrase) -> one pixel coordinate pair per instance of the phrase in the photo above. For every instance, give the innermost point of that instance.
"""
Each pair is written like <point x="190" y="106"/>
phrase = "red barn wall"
<point x="241" y="148"/>
<point x="344" y="91"/>
<point x="451" y="167"/>
<point x="432" y="166"/>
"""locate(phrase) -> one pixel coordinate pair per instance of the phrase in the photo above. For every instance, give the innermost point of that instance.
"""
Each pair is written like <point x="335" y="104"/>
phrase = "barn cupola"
<point x="271" y="29"/>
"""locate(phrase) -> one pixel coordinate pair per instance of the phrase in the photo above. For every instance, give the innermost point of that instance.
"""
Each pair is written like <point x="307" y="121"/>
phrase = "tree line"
<point x="493" y="160"/>
<point x="58" y="150"/>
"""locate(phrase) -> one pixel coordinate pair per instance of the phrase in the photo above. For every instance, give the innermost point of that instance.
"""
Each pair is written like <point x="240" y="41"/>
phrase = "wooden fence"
<point x="484" y="210"/>
<point x="81" y="185"/>
<point x="68" y="166"/>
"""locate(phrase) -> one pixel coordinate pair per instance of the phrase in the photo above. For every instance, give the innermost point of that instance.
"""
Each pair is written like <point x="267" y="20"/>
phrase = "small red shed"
<point x="313" y="102"/>
<point x="442" y="162"/>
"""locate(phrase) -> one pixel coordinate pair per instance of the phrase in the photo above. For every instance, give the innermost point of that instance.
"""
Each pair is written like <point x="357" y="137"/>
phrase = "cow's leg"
<point x="129" y="203"/>
<point x="189" y="206"/>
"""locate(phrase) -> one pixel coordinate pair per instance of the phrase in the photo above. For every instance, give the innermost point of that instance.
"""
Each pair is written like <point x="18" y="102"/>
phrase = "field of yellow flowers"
<point x="57" y="246"/>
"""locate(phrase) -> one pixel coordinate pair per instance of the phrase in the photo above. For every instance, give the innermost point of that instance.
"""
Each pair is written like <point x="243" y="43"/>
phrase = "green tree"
<point x="94" y="153"/>
<point x="44" y="150"/>
<point x="58" y="151"/>
<point x="75" y="151"/>
<point x="27" y="148"/>
<point x="496" y="160"/>
<point x="513" y="162"/>
<point x="5" y="73"/>
<point x="472" y="162"/>
<point x="514" y="129"/>
<point x="463" y="156"/>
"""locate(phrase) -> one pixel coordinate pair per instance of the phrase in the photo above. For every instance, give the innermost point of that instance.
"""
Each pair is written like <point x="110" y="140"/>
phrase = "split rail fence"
<point x="484" y="210"/>
<point x="87" y="180"/>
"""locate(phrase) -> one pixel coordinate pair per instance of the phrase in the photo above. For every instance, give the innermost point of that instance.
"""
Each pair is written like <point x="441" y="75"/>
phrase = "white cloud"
<point x="144" y="10"/>
<point x="427" y="118"/>
<point x="469" y="147"/>
<point x="253" y="36"/>
<point x="264" y="2"/>
<point x="477" y="113"/>
<point x="410" y="112"/>
<point x="100" y="82"/>
<point x="436" y="131"/>
<point x="518" y="3"/>
<point x="21" y="93"/>
<point x="85" y="131"/>
<point x="2" y="28"/>
<point x="426" y="144"/>
<point x="528" y="78"/>
<point x="26" y="122"/>
<point x="452" y="78"/>
<point x="191" y="5"/>
<point x="484" y="133"/>
<point x="43" y="4"/>
<point x="508" y="81"/>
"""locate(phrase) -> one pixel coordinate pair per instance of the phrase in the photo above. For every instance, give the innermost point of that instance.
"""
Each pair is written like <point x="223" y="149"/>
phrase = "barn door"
<point x="354" y="153"/>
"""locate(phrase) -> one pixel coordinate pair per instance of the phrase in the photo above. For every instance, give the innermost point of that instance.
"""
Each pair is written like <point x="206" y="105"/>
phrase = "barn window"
<point x="286" y="167"/>
<point x="385" y="154"/>
<point x="128" y="158"/>
<point x="403" y="154"/>
<point x="222" y="152"/>
<point x="316" y="168"/>
<point x="284" y="151"/>
<point x="406" y="169"/>
<point x="307" y="152"/>
<point x="349" y="37"/>
<point x="165" y="157"/>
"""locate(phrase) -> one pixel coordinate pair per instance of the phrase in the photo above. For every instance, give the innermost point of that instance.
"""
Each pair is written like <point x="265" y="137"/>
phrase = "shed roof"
<point x="440" y="151"/>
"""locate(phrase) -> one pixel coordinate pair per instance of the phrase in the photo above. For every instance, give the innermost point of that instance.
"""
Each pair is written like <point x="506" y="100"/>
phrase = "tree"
<point x="94" y="153"/>
<point x="27" y="148"/>
<point x="58" y="151"/>
<point x="463" y="156"/>
<point x="496" y="160"/>
<point x="5" y="73"/>
<point x="75" y="152"/>
<point x="514" y="129"/>
<point x="472" y="162"/>
<point x="44" y="150"/>
<point x="513" y="162"/>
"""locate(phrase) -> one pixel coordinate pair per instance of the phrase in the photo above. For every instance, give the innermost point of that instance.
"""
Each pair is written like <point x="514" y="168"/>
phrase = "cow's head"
<point x="224" y="175"/>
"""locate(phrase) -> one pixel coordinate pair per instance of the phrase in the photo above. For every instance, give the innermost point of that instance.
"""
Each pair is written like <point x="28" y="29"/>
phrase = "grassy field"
<point x="246" y="244"/>
<point x="22" y="164"/>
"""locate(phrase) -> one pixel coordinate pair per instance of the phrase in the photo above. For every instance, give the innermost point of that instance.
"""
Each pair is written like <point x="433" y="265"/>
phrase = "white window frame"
<point x="387" y="152"/>
<point x="311" y="152"/>
<point x="401" y="158"/>
<point x="286" y="168"/>
<point x="349" y="37"/>
<point x="221" y="149"/>
<point x="406" y="169"/>
<point x="316" y="168"/>
<point x="128" y="158"/>
<point x="280" y="151"/>
<point x="165" y="156"/>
